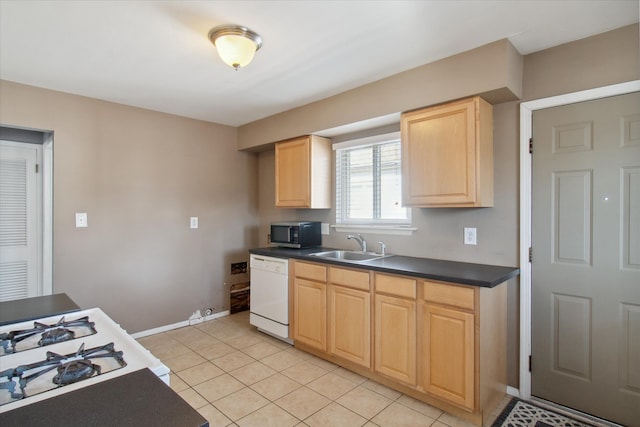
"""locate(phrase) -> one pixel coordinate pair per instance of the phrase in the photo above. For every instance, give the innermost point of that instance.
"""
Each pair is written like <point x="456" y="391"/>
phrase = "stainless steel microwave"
<point x="302" y="234"/>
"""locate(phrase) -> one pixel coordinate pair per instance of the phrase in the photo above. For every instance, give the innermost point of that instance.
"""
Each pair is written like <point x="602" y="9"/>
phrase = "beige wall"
<point x="608" y="58"/>
<point x="493" y="71"/>
<point x="140" y="175"/>
<point x="600" y="60"/>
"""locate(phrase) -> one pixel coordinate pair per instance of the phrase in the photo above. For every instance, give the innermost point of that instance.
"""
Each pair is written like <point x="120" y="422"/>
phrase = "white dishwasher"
<point x="269" y="310"/>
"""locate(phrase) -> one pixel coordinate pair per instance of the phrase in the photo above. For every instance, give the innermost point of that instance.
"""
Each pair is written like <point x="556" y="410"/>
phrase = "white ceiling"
<point x="156" y="54"/>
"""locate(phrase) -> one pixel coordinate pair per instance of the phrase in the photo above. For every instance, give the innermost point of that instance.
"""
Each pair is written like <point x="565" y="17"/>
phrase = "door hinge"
<point x="530" y="254"/>
<point x="37" y="168"/>
<point x="529" y="363"/>
<point x="530" y="145"/>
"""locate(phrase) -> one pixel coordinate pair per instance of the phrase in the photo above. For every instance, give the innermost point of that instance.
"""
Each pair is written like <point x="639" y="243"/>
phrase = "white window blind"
<point x="368" y="183"/>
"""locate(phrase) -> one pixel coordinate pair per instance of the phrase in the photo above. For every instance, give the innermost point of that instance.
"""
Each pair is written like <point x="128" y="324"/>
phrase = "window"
<point x="368" y="182"/>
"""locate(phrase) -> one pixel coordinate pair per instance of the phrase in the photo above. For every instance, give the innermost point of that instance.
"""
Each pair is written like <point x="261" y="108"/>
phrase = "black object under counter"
<point x="464" y="273"/>
<point x="26" y="309"/>
<point x="136" y="399"/>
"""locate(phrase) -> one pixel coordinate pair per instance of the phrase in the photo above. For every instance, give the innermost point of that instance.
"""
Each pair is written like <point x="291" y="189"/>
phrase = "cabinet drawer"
<point x="311" y="271"/>
<point x="457" y="296"/>
<point x="352" y="278"/>
<point x="394" y="285"/>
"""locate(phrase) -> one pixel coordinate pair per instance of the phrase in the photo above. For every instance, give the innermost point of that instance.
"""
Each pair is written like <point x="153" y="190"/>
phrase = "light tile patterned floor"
<point x="236" y="376"/>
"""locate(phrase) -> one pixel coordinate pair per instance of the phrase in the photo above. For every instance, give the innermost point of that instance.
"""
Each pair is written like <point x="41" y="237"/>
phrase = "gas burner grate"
<point x="57" y="371"/>
<point x="43" y="334"/>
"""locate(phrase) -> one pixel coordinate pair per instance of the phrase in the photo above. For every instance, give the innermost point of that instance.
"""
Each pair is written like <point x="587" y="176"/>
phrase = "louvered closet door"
<point x="18" y="221"/>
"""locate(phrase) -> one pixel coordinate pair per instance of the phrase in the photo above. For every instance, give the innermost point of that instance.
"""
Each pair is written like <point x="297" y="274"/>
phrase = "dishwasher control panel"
<point x="274" y="265"/>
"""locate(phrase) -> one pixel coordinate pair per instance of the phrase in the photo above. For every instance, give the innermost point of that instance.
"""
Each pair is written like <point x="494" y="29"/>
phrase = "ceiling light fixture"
<point x="236" y="45"/>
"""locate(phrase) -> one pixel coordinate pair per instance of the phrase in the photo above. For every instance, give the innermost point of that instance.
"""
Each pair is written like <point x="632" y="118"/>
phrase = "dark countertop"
<point x="136" y="399"/>
<point x="26" y="309"/>
<point x="464" y="273"/>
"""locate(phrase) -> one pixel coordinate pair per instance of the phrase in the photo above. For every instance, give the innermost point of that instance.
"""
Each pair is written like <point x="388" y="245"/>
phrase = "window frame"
<point x="381" y="224"/>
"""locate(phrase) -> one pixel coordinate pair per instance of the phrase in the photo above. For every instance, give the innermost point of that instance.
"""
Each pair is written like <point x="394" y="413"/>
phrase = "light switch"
<point x="194" y="222"/>
<point x="81" y="220"/>
<point x="470" y="236"/>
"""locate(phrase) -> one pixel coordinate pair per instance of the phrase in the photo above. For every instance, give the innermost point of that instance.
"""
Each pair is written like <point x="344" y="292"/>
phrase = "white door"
<point x="585" y="292"/>
<point x="20" y="213"/>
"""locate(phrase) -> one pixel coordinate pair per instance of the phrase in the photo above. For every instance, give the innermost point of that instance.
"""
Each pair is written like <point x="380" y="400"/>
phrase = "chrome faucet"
<point x="360" y="240"/>
<point x="383" y="248"/>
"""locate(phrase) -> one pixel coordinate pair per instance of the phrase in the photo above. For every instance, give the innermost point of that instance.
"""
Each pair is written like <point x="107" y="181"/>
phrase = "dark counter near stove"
<point x="137" y="399"/>
<point x="22" y="310"/>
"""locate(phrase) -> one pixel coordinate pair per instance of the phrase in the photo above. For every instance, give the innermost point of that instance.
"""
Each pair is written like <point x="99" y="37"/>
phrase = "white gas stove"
<point x="46" y="357"/>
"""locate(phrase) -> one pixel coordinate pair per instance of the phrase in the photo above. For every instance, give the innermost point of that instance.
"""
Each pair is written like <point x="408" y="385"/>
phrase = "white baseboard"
<point x="512" y="391"/>
<point x="160" y="329"/>
<point x="216" y="315"/>
<point x="182" y="324"/>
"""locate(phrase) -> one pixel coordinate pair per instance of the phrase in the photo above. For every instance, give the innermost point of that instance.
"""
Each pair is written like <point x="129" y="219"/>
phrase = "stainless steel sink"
<point x="354" y="256"/>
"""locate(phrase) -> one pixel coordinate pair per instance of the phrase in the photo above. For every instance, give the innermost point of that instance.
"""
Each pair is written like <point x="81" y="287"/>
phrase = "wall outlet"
<point x="324" y="228"/>
<point x="470" y="237"/>
<point x="239" y="267"/>
<point x="193" y="222"/>
<point x="81" y="220"/>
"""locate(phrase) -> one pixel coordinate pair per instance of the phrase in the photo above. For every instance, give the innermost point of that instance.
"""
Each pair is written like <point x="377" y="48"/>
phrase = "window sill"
<point x="398" y="230"/>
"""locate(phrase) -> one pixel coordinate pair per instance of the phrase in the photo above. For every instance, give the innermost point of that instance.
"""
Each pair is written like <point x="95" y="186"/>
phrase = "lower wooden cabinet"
<point x="310" y="313"/>
<point x="395" y="338"/>
<point x="439" y="342"/>
<point x="448" y="354"/>
<point x="350" y="324"/>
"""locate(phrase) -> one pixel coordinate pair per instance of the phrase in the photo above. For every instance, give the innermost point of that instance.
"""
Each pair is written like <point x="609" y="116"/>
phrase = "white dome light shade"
<point x="236" y="45"/>
<point x="235" y="51"/>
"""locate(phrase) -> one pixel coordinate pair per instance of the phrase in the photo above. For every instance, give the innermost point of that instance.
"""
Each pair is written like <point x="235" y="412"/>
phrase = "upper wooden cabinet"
<point x="447" y="155"/>
<point x="303" y="173"/>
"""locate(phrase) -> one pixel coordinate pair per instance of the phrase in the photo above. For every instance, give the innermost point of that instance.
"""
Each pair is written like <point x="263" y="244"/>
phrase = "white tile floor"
<point x="234" y="375"/>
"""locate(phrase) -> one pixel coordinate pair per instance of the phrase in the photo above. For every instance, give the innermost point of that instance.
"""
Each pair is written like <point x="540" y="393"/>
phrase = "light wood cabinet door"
<point x="395" y="338"/>
<point x="350" y="324"/>
<point x="303" y="173"/>
<point x="447" y="155"/>
<point x="448" y="353"/>
<point x="310" y="313"/>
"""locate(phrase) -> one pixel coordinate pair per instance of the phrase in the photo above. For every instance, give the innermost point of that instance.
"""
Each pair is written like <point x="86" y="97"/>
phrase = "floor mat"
<point x="519" y="413"/>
